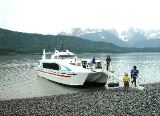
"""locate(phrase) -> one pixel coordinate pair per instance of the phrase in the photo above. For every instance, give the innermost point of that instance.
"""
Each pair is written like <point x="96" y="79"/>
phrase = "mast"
<point x="44" y="54"/>
<point x="62" y="47"/>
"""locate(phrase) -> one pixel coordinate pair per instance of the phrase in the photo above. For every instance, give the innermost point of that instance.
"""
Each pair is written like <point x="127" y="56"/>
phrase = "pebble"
<point x="98" y="103"/>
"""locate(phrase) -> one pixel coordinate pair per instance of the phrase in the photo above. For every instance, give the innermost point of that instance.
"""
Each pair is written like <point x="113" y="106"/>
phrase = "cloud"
<point x="53" y="16"/>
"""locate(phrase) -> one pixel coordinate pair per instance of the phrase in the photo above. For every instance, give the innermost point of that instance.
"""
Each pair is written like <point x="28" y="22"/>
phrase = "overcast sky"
<point x="53" y="16"/>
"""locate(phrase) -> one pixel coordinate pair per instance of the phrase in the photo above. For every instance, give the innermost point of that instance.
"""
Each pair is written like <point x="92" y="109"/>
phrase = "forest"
<point x="19" y="42"/>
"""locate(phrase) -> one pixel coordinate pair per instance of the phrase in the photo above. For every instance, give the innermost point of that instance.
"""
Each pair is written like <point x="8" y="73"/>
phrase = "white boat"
<point x="66" y="68"/>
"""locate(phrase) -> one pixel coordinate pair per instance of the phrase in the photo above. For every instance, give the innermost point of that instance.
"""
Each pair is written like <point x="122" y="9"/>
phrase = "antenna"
<point x="49" y="48"/>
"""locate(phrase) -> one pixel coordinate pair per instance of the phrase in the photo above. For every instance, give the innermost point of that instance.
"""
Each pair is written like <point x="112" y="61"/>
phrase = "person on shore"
<point x="108" y="61"/>
<point x="134" y="75"/>
<point x="126" y="81"/>
<point x="93" y="63"/>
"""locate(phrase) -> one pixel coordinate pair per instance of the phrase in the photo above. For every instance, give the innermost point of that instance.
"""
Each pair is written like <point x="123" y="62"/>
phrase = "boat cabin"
<point x="86" y="63"/>
<point x="63" y="55"/>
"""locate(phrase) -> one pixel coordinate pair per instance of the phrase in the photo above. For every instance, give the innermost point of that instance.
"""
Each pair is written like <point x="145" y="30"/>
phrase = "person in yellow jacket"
<point x="126" y="80"/>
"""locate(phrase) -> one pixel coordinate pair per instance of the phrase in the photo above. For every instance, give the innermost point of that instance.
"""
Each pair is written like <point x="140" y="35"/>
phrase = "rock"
<point x="98" y="103"/>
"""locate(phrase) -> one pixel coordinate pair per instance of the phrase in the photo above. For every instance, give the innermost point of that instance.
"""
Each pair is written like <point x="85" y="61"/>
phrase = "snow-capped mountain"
<point x="153" y="34"/>
<point x="110" y="36"/>
<point x="149" y="34"/>
<point x="140" y="38"/>
<point x="133" y="37"/>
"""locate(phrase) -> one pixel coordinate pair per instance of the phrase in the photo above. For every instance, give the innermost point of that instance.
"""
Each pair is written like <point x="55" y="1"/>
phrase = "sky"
<point x="54" y="16"/>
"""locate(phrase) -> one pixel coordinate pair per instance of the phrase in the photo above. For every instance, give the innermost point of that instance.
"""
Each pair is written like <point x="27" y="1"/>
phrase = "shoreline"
<point x="40" y="53"/>
<point x="98" y="102"/>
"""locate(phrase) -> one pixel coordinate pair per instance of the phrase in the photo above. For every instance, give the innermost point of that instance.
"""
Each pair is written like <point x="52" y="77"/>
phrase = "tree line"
<point x="18" y="42"/>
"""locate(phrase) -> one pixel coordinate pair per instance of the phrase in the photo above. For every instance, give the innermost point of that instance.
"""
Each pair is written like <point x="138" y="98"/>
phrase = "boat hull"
<point x="74" y="79"/>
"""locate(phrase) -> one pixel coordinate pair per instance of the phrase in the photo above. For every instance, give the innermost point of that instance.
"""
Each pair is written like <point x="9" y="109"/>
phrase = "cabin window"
<point x="66" y="56"/>
<point x="51" y="66"/>
<point x="84" y="64"/>
<point x="72" y="63"/>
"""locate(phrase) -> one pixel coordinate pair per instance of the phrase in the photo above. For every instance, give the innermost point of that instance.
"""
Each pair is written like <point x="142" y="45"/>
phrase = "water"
<point x="18" y="78"/>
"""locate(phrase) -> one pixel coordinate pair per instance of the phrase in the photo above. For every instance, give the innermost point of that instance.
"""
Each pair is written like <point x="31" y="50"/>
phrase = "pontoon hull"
<point x="74" y="79"/>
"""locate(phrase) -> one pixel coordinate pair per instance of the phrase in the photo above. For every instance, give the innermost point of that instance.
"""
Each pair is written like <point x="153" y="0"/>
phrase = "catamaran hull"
<point x="74" y="79"/>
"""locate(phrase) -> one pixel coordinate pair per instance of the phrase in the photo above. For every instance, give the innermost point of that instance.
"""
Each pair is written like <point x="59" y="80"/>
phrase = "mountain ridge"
<point x="19" y="42"/>
<point x="28" y="43"/>
<point x="127" y="38"/>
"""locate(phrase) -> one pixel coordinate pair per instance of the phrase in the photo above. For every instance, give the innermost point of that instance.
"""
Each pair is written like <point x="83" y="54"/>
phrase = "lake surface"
<point x="18" y="78"/>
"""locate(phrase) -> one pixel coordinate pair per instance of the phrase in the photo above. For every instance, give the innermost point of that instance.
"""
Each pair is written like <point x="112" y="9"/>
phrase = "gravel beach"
<point x="94" y="103"/>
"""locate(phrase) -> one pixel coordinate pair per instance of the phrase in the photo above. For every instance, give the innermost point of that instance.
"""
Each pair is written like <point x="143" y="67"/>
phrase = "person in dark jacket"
<point x="134" y="75"/>
<point x="108" y="61"/>
<point x="93" y="63"/>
